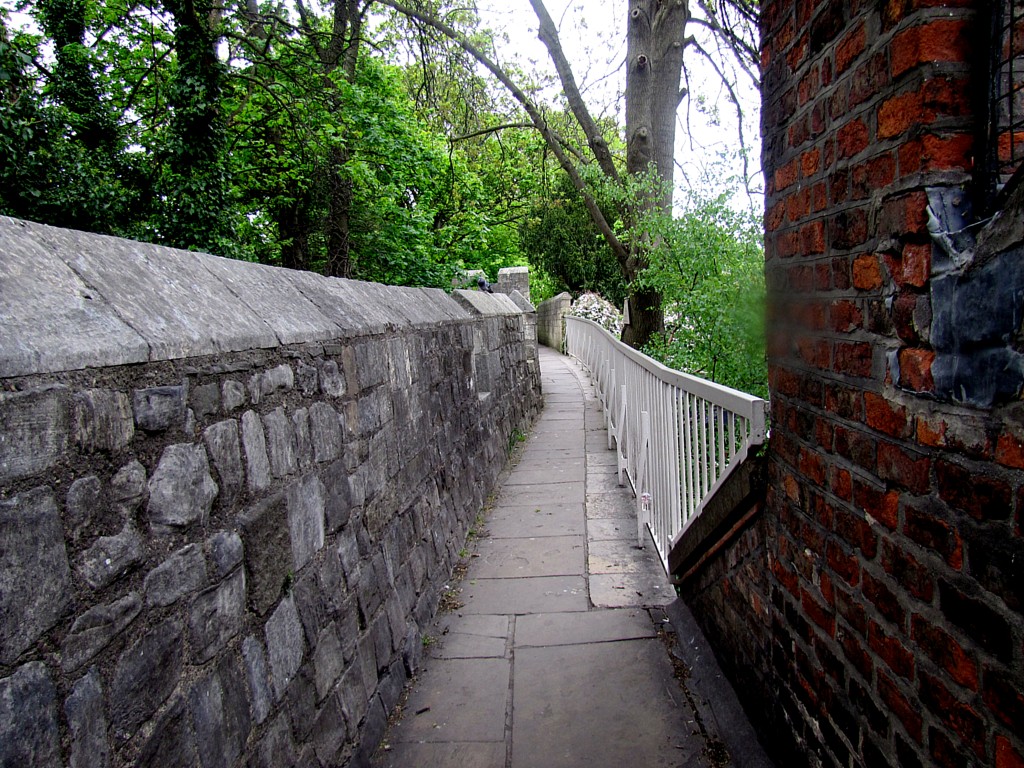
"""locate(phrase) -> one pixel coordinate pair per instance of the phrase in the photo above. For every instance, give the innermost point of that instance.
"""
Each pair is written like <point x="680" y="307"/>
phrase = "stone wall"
<point x="231" y="497"/>
<point x="551" y="320"/>
<point x="893" y="524"/>
<point x="514" y="279"/>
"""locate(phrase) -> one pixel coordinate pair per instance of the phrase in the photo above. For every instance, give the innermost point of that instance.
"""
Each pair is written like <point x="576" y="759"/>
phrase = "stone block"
<point x="313" y="604"/>
<point x="205" y="400"/>
<point x="85" y="502"/>
<point x="158" y="409"/>
<point x="128" y="488"/>
<point x="34" y="430"/>
<point x="216" y="617"/>
<point x="255" y="660"/>
<point x="303" y="439"/>
<point x="330" y="732"/>
<point x="280" y="443"/>
<point x="172" y="743"/>
<point x="29" y="734"/>
<point x="111" y="557"/>
<point x="279" y="379"/>
<point x="306" y="519"/>
<point x="232" y="395"/>
<point x="144" y="677"/>
<point x="268" y="551"/>
<point x="332" y="380"/>
<point x="181" y="491"/>
<point x="220" y="714"/>
<point x="285" y="645"/>
<point x="35" y="577"/>
<point x="225" y="550"/>
<point x="87" y="723"/>
<point x="181" y="573"/>
<point x="307" y="378"/>
<point x="300" y="703"/>
<point x="324" y="432"/>
<point x="96" y="628"/>
<point x="222" y="443"/>
<point x="276" y="748"/>
<point x="338" y="497"/>
<point x="103" y="421"/>
<point x="257" y="464"/>
<point x="328" y="661"/>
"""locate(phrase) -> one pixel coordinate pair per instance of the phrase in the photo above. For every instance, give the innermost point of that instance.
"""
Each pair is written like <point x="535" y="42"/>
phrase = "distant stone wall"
<point x="231" y="497"/>
<point x="551" y="320"/>
<point x="514" y="279"/>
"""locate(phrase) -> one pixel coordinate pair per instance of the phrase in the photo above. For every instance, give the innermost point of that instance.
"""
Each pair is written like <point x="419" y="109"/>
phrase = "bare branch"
<point x="491" y="129"/>
<point x="549" y="36"/>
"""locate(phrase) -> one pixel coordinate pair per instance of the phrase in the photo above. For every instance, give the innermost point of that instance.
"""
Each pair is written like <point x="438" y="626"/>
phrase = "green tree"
<point x="709" y="266"/>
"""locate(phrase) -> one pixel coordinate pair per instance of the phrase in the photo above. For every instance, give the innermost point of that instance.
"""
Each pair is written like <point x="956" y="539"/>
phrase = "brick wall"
<point x="896" y="494"/>
<point x="230" y="497"/>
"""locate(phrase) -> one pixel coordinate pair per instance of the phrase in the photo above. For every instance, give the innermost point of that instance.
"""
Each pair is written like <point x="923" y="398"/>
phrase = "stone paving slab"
<point x="620" y="692"/>
<point x="459" y="700"/>
<point x="535" y="474"/>
<point x="446" y="755"/>
<point x="621" y="590"/>
<point x="533" y="556"/>
<point x="617" y="556"/>
<point x="605" y="505"/>
<point x="545" y="594"/>
<point x="535" y="520"/>
<point x="545" y="629"/>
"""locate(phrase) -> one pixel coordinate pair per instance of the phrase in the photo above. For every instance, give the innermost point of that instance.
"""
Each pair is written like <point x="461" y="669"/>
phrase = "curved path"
<point x="557" y="653"/>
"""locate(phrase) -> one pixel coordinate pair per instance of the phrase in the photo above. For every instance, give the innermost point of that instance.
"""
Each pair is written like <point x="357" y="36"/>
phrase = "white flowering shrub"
<point x="590" y="306"/>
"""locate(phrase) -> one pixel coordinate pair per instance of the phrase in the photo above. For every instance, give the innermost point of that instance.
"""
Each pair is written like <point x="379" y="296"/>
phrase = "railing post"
<point x="643" y="496"/>
<point x="620" y="446"/>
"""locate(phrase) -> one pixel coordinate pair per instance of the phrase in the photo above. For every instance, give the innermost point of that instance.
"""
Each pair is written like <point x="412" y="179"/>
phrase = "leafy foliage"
<point x="709" y="265"/>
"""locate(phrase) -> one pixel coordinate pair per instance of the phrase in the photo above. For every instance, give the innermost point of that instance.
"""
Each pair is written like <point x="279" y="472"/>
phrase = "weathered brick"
<point x="916" y="369"/>
<point x="818" y="613"/>
<point x="852" y="138"/>
<point x="939" y="40"/>
<point x="867" y="273"/>
<point x="1007" y="755"/>
<point x="981" y="496"/>
<point x="924" y="524"/>
<point x="903" y="468"/>
<point x="849" y="48"/>
<point x="907" y="571"/>
<point x="958" y="716"/>
<point x="885" y="416"/>
<point x="891" y="650"/>
<point x="899" y="704"/>
<point x="881" y="595"/>
<point x="856" y="532"/>
<point x="986" y="626"/>
<point x="853" y="359"/>
<point x="943" y="649"/>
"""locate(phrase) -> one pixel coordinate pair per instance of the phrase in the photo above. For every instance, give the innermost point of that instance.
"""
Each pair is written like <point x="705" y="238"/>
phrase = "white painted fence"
<point x="677" y="436"/>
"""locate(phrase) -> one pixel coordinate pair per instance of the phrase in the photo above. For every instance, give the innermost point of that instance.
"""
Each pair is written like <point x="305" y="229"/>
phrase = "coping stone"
<point x="53" y="320"/>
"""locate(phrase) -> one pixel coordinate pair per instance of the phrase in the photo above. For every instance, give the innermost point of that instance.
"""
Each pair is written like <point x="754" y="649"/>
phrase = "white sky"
<point x="593" y="37"/>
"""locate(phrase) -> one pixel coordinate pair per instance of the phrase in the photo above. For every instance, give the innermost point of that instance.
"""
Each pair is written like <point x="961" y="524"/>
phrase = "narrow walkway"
<point x="556" y="653"/>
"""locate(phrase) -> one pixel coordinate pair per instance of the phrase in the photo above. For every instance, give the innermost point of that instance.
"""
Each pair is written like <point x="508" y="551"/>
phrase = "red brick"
<point x="869" y="79"/>
<point x="904" y="215"/>
<point x="857" y="446"/>
<point x="841" y="274"/>
<point x="952" y="153"/>
<point x="819" y="614"/>
<point x="798" y="204"/>
<point x="898" y="114"/>
<point x="856" y="532"/>
<point x="909" y="156"/>
<point x="845" y="316"/>
<point x="958" y="716"/>
<point x="872" y="175"/>
<point x="907" y="571"/>
<point x="904" y="313"/>
<point x="775" y="216"/>
<point x="943" y="649"/>
<point x="891" y="650"/>
<point x="883" y="506"/>
<point x="946" y="97"/>
<point x="810" y="162"/>
<point x="938" y="40"/>
<point x="900" y="705"/>
<point x="800" y="278"/>
<point x="916" y="369"/>
<point x="822" y="277"/>
<point x="981" y="496"/>
<point x="853" y="359"/>
<point x="1004" y="697"/>
<point x="845" y="564"/>
<point x="854" y="651"/>
<point x="924" y="527"/>
<point x="786" y="175"/>
<point x="931" y="433"/>
<point x="839" y="186"/>
<point x="916" y="264"/>
<point x="812" y="237"/>
<point x="1010" y="448"/>
<point x="880" y="595"/>
<point x="845" y="402"/>
<point x="902" y="468"/>
<point x="849" y="228"/>
<point x="867" y="273"/>
<point x="852" y="138"/>
<point x="819" y="197"/>
<point x="849" y="48"/>
<point x="786" y="577"/>
<point x="885" y="416"/>
<point x="809" y="86"/>
<point x="1007" y="755"/>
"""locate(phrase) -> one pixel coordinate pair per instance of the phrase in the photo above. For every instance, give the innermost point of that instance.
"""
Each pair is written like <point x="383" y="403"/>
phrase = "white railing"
<point x="677" y="436"/>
